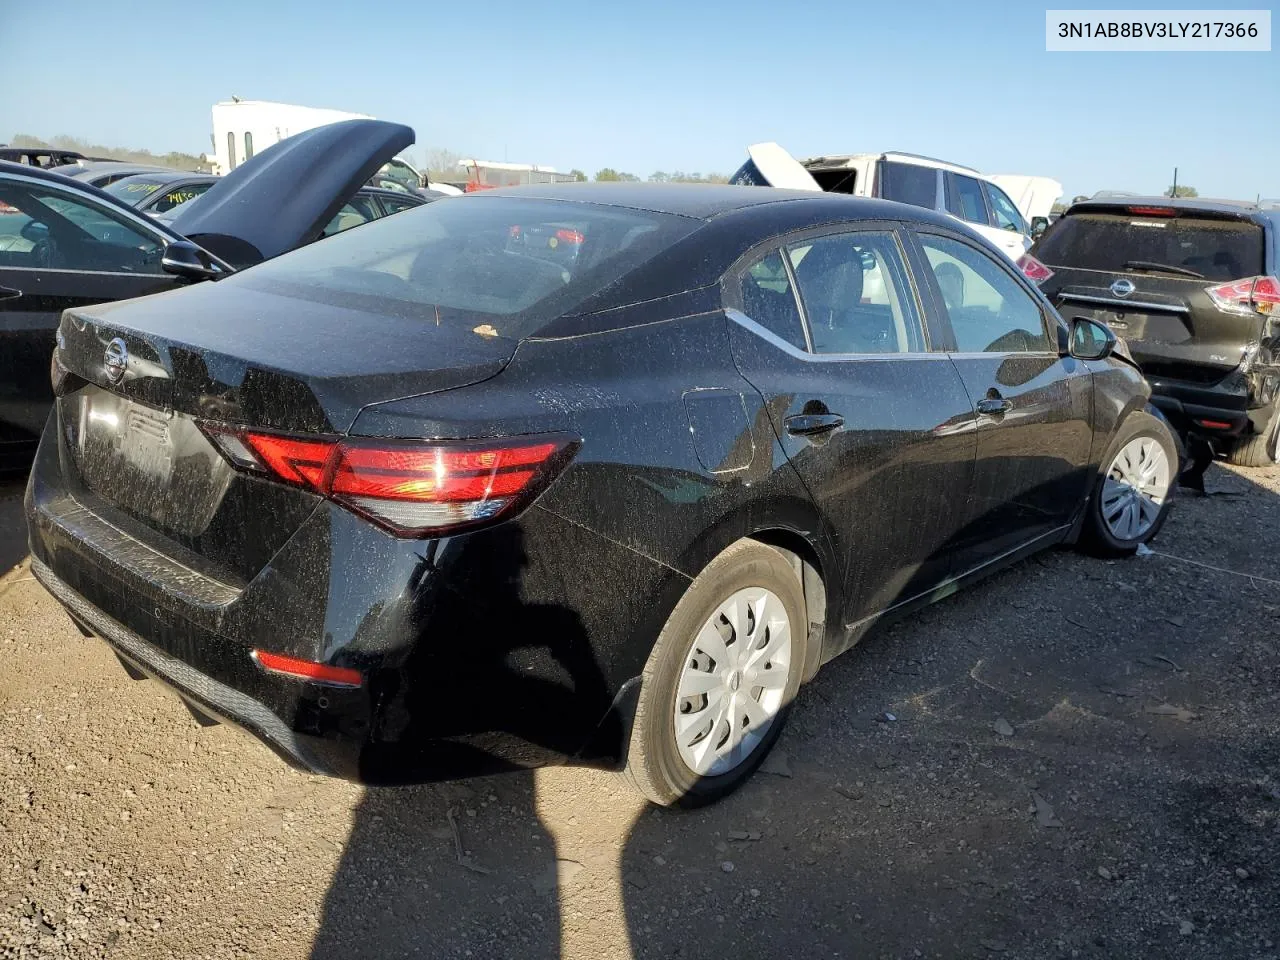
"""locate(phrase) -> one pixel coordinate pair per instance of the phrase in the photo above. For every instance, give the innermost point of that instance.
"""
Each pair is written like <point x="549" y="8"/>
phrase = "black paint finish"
<point x="520" y="643"/>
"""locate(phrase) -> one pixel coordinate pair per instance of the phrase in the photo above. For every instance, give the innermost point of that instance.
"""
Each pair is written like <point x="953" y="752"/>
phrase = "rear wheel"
<point x="716" y="690"/>
<point x="1259" y="449"/>
<point x="1134" y="490"/>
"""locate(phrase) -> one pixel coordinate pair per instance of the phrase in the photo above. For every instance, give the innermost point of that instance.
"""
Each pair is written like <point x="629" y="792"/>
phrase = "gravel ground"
<point x="1083" y="762"/>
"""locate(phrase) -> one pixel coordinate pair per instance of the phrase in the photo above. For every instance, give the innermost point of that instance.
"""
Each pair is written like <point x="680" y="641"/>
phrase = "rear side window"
<point x="909" y="183"/>
<point x="501" y="266"/>
<point x="964" y="198"/>
<point x="1215" y="249"/>
<point x="1002" y="208"/>
<point x="769" y="300"/>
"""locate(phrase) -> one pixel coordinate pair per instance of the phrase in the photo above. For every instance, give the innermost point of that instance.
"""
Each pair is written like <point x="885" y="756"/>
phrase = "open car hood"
<point x="769" y="165"/>
<point x="284" y="196"/>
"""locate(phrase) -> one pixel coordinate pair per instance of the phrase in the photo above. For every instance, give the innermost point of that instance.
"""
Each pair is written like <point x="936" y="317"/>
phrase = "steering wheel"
<point x="45" y="253"/>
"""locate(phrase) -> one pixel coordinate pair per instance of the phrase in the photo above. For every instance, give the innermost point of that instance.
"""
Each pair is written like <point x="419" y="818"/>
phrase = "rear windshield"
<point x="507" y="263"/>
<point x="1216" y="249"/>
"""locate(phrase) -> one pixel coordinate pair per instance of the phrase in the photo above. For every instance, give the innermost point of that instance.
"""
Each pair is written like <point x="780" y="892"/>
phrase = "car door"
<point x="59" y="248"/>
<point x="830" y="329"/>
<point x="1032" y="406"/>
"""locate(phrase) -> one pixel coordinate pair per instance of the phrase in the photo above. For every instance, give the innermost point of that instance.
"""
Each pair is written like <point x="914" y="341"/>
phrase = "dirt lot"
<point x="1083" y="763"/>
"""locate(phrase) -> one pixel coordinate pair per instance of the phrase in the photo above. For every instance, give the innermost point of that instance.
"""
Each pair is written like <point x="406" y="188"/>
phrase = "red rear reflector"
<point x="1151" y="211"/>
<point x="1214" y="424"/>
<point x="1033" y="269"/>
<point x="307" y="669"/>
<point x="1247" y="296"/>
<point x="412" y="488"/>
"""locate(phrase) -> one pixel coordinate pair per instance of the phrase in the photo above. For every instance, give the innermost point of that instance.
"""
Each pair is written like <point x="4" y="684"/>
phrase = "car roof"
<point x="78" y="170"/>
<point x="840" y="160"/>
<point x="707" y="201"/>
<point x="1233" y="209"/>
<point x="382" y="192"/>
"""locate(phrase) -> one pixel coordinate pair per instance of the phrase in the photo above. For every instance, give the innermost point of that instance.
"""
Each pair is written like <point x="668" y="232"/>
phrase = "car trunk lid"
<point x="282" y="197"/>
<point x="142" y="381"/>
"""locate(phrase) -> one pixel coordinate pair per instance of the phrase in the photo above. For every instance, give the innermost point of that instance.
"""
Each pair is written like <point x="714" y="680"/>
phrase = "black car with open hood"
<point x="65" y="244"/>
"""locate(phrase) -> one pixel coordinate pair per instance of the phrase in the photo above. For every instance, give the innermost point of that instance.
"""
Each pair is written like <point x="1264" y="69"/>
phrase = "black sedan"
<point x="428" y="499"/>
<point x="64" y="244"/>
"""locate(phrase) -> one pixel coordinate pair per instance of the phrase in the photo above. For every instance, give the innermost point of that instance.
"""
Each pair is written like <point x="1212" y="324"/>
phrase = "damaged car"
<point x="1193" y="287"/>
<point x="436" y="497"/>
<point x="64" y="245"/>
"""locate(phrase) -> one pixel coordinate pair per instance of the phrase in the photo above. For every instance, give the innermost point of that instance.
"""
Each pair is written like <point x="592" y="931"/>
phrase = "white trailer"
<point x="243" y="127"/>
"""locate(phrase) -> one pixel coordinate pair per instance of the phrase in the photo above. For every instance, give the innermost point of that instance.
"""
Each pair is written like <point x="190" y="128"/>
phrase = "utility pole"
<point x="1173" y="191"/>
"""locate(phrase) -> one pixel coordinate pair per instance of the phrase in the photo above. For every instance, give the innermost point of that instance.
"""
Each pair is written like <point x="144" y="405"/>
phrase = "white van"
<point x="959" y="192"/>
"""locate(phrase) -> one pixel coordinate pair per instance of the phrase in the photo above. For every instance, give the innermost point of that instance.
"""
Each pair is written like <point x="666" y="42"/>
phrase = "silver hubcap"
<point x="733" y="682"/>
<point x="1135" y="488"/>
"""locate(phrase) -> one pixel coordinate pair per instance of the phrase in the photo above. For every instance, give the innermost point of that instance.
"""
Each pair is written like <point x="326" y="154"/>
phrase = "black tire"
<point x="654" y="765"/>
<point x="1259" y="449"/>
<point x="1095" y="536"/>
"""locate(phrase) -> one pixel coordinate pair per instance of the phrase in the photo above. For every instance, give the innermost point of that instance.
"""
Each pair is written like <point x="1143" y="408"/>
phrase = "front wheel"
<point x="1131" y="500"/>
<point x="721" y="677"/>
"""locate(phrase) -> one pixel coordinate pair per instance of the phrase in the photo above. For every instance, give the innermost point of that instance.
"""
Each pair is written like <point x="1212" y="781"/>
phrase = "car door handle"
<point x="813" y="424"/>
<point x="7" y="293"/>
<point x="994" y="406"/>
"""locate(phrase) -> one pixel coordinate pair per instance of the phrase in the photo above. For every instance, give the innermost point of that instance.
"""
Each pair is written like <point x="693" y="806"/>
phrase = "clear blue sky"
<point x="657" y="85"/>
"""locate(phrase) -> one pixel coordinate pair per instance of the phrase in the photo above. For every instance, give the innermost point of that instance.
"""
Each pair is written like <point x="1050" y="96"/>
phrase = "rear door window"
<point x="177" y="197"/>
<point x="965" y="200"/>
<point x="909" y="183"/>
<point x="1215" y="249"/>
<point x="856" y="294"/>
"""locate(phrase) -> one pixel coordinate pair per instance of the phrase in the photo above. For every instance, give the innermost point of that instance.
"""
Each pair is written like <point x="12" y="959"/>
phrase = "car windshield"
<point x="1129" y="243"/>
<point x="503" y="263"/>
<point x="133" y="189"/>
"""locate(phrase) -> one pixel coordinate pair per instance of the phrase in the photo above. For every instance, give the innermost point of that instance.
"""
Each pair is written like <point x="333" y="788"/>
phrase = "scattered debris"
<point x="1044" y="812"/>
<point x="727" y="866"/>
<point x="1144" y="551"/>
<point x="848" y="792"/>
<point x="1117" y="692"/>
<point x="1186" y="928"/>
<point x="1105" y="874"/>
<point x="1242" y="873"/>
<point x="886" y="718"/>
<point x="1003" y="727"/>
<point x="744" y="834"/>
<point x="1181" y="714"/>
<point x="995" y="946"/>
<point x="459" y="852"/>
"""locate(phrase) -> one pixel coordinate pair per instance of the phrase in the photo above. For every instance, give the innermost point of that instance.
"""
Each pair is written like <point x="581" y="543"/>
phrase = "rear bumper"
<point x="488" y="651"/>
<point x="1225" y="405"/>
<point x="217" y="699"/>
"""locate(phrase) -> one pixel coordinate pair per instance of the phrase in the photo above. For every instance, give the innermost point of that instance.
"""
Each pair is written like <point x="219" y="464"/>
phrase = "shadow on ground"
<point x="1081" y="762"/>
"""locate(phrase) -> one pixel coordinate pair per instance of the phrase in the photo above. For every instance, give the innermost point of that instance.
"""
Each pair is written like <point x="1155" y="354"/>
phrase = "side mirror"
<point x="185" y="259"/>
<point x="1038" y="226"/>
<point x="34" y="231"/>
<point x="1091" y="340"/>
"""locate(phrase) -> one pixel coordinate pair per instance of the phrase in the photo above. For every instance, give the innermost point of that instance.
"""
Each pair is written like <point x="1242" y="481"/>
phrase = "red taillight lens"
<point x="1247" y="296"/>
<point x="1033" y="269"/>
<point x="307" y="669"/>
<point x="1151" y="211"/>
<point x="412" y="488"/>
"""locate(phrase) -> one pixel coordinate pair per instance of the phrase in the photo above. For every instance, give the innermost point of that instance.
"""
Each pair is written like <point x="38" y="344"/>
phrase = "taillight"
<point x="1250" y="295"/>
<point x="1033" y="269"/>
<point x="409" y="487"/>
